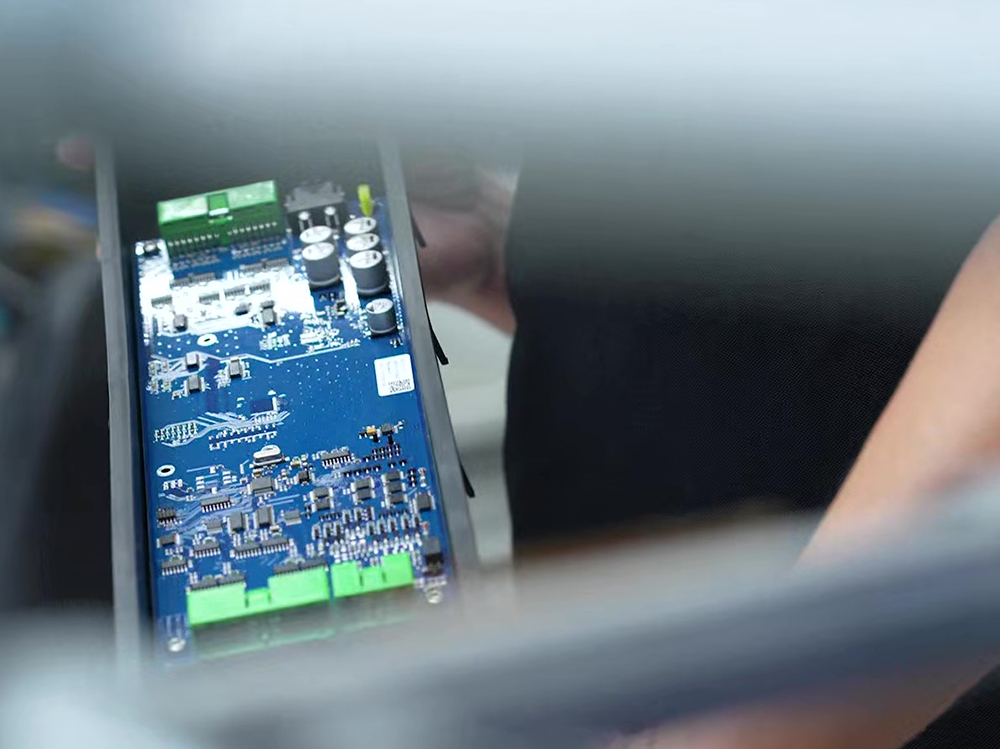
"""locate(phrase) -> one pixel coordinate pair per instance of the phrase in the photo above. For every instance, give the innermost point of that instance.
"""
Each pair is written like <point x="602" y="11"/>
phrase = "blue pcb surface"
<point x="315" y="387"/>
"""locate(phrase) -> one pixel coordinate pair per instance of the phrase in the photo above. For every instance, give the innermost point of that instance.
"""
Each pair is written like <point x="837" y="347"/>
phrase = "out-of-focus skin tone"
<point x="942" y="423"/>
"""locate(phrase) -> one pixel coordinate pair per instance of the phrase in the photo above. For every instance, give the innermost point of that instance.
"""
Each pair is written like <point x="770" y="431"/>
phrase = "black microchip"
<point x="397" y="499"/>
<point x="365" y="483"/>
<point x="387" y="429"/>
<point x="265" y="517"/>
<point x="207" y="582"/>
<point x="206" y="547"/>
<point x="191" y="360"/>
<point x="237" y="522"/>
<point x="215" y="502"/>
<point x="232" y="577"/>
<point x="166" y="514"/>
<point x="274" y="542"/>
<point x="180" y="322"/>
<point x="214" y="525"/>
<point x="306" y="564"/>
<point x="262" y="485"/>
<point x="171" y="539"/>
<point x="241" y="309"/>
<point x="268" y="317"/>
<point x="292" y="517"/>
<point x="194" y="383"/>
<point x="251" y="547"/>
<point x="334" y="455"/>
<point x="285" y="567"/>
<point x="173" y="565"/>
<point x="433" y="555"/>
<point x="323" y="503"/>
<point x="362" y="494"/>
<point x="424" y="502"/>
<point x="394" y="476"/>
<point x="267" y="304"/>
<point x="235" y="369"/>
<point x="303" y="477"/>
<point x="394" y="487"/>
<point x="321" y="491"/>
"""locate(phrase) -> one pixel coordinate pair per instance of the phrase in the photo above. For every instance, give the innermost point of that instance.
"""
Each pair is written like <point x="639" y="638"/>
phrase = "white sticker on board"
<point x="394" y="375"/>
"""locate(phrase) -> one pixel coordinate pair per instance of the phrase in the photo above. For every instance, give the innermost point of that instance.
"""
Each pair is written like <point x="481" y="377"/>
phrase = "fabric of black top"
<point x="697" y="329"/>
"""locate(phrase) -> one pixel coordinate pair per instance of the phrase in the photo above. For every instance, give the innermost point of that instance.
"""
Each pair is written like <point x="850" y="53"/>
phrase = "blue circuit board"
<point x="254" y="470"/>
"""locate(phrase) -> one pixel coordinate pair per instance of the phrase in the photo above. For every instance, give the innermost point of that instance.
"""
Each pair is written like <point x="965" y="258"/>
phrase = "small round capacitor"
<point x="381" y="314"/>
<point x="322" y="264"/>
<point x="370" y="274"/>
<point x="316" y="234"/>
<point x="361" y="225"/>
<point x="362" y="243"/>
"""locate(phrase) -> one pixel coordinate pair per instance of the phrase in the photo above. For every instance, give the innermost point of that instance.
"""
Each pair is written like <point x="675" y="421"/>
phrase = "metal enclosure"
<point x="132" y="602"/>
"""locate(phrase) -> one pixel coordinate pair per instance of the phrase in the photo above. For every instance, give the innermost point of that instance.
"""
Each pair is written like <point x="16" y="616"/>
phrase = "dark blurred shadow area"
<point x="53" y="378"/>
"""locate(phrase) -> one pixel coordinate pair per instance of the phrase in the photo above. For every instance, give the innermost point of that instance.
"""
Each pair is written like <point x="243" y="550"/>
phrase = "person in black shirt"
<point x="689" y="342"/>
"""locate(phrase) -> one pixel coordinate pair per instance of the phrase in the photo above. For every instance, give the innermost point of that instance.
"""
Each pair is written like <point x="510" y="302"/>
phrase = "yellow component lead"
<point x="365" y="198"/>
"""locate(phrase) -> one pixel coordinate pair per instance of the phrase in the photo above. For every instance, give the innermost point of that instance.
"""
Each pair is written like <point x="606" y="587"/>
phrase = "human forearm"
<point x="942" y="422"/>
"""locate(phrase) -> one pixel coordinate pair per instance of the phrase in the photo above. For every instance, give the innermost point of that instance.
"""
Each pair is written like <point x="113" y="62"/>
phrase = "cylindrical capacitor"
<point x="362" y="243"/>
<point x="381" y="315"/>
<point x="361" y="225"/>
<point x="322" y="264"/>
<point x="369" y="271"/>
<point x="316" y="234"/>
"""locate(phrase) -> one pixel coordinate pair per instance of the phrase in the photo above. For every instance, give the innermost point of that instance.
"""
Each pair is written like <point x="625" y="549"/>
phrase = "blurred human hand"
<point x="462" y="211"/>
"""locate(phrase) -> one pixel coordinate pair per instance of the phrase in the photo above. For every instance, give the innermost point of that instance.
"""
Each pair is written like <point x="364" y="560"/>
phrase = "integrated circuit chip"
<point x="262" y="485"/>
<point x="424" y="502"/>
<point x="237" y="522"/>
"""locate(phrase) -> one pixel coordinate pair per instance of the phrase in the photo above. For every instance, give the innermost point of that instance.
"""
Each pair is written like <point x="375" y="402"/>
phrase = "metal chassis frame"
<point x="128" y="533"/>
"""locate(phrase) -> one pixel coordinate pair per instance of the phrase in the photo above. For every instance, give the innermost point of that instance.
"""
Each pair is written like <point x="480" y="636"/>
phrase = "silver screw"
<point x="176" y="644"/>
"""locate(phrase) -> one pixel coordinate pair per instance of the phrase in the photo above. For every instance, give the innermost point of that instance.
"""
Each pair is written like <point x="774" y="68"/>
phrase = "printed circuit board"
<point x="287" y="463"/>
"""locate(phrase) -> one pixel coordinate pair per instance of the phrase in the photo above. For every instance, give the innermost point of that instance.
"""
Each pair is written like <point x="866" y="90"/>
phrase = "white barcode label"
<point x="394" y="374"/>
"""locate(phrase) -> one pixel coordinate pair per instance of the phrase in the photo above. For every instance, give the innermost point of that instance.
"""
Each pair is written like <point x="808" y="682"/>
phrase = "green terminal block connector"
<point x="350" y="579"/>
<point x="228" y="602"/>
<point x="220" y="218"/>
